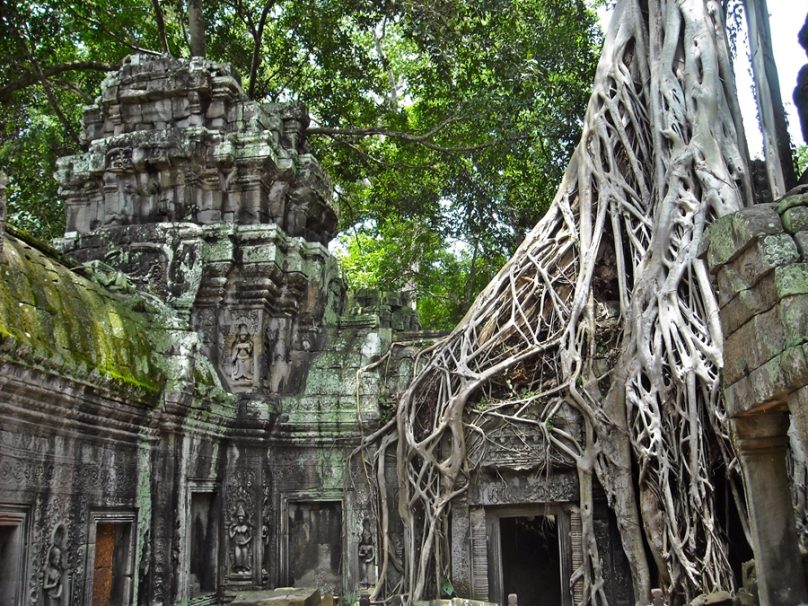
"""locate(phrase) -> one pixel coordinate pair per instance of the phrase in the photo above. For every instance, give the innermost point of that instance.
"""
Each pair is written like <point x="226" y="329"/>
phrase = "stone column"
<point x="761" y="440"/>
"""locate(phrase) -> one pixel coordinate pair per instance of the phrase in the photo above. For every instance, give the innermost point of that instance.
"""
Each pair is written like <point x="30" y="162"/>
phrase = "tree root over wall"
<point x="604" y="308"/>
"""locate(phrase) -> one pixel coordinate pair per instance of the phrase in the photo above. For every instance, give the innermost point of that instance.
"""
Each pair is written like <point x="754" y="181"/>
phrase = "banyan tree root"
<point x="604" y="308"/>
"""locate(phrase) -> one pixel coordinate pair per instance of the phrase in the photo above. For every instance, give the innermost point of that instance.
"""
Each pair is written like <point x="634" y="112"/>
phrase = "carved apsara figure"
<point x="241" y="355"/>
<point x="52" y="584"/>
<point x="241" y="536"/>
<point x="367" y="555"/>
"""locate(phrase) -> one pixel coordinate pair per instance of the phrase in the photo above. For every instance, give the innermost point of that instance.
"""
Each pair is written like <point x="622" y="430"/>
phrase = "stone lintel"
<point x="768" y="386"/>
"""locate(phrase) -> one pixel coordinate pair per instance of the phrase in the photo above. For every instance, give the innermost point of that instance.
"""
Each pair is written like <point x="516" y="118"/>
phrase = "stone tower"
<point x="212" y="204"/>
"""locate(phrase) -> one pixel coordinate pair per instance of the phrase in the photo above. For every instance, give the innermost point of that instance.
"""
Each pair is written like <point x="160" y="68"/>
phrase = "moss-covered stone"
<point x="69" y="321"/>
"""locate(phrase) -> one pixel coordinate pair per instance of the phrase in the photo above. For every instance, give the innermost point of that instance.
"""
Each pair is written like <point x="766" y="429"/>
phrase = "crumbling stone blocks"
<point x="758" y="259"/>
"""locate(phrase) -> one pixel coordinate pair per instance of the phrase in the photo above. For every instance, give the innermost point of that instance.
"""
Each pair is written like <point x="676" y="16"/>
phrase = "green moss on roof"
<point x="69" y="321"/>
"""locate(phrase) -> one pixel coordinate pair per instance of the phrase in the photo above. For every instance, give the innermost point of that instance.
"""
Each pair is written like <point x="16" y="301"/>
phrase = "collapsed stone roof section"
<point x="90" y="325"/>
<point x="176" y="140"/>
<point x="53" y="317"/>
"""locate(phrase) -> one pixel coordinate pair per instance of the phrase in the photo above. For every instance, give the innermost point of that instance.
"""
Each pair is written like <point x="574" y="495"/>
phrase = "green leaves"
<point x="450" y="119"/>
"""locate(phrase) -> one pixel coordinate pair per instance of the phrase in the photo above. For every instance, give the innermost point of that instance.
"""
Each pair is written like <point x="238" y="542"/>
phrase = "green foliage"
<point x="451" y="120"/>
<point x="801" y="157"/>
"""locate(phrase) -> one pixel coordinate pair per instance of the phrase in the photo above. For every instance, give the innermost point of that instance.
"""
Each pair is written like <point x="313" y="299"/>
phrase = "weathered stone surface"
<point x="765" y="335"/>
<point x="795" y="219"/>
<point x="282" y="596"/>
<point x="769" y="384"/>
<point x="763" y="255"/>
<point x="752" y="345"/>
<point x="782" y="282"/>
<point x="796" y="197"/>
<point x="731" y="234"/>
<point x="69" y="323"/>
<point x="155" y="156"/>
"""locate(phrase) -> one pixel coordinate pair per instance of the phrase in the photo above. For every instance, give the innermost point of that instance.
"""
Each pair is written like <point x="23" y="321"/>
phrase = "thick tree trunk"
<point x="776" y="141"/>
<point x="161" y="26"/>
<point x="196" y="28"/>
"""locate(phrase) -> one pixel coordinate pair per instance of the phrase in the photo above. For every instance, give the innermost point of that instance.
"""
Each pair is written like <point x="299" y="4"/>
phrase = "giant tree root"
<point x="604" y="308"/>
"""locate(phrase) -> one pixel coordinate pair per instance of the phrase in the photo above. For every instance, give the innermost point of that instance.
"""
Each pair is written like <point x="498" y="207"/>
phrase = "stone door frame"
<point x="493" y="515"/>
<point x="14" y="515"/>
<point x="202" y="487"/>
<point x="110" y="516"/>
<point x="304" y="496"/>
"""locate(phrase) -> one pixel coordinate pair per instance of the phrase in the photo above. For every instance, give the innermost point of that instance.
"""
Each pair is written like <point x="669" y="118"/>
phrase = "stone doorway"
<point x="531" y="564"/>
<point x="112" y="580"/>
<point x="110" y="558"/>
<point x="315" y="544"/>
<point x="203" y="544"/>
<point x="12" y="556"/>
<point x="530" y="554"/>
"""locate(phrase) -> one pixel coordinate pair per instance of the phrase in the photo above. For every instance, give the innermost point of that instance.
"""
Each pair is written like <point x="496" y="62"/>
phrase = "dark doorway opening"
<point x="204" y="544"/>
<point x="531" y="562"/>
<point x="10" y="561"/>
<point x="315" y="544"/>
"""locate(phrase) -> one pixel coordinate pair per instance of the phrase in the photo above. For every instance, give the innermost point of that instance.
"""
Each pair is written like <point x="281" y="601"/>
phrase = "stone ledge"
<point x="283" y="596"/>
<point x="770" y="384"/>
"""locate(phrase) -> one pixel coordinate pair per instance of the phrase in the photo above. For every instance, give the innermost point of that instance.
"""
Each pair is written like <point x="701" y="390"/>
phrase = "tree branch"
<point x="30" y="78"/>
<point x="114" y="35"/>
<point x="258" y="34"/>
<point x="422" y="139"/>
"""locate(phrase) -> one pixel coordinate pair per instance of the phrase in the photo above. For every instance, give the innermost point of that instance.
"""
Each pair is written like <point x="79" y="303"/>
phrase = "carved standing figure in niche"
<point x="52" y="584"/>
<point x="241" y="355"/>
<point x="241" y="536"/>
<point x="367" y="555"/>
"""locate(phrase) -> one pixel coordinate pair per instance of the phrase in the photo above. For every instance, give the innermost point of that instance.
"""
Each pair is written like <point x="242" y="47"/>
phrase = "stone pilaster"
<point x="762" y="443"/>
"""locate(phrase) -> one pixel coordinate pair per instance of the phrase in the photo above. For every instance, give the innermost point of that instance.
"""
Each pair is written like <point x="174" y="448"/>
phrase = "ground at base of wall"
<point x="282" y="596"/>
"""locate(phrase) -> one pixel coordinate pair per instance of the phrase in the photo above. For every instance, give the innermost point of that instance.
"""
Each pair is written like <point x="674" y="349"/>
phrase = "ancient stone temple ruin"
<point x="185" y="382"/>
<point x="179" y="385"/>
<point x="178" y="391"/>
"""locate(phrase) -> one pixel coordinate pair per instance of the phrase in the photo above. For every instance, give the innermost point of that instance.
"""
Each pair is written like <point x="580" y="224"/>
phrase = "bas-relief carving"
<point x="266" y="525"/>
<point x="57" y="564"/>
<point x="144" y="264"/>
<point x="507" y="446"/>
<point x="513" y="488"/>
<point x="119" y="159"/>
<point x="367" y="555"/>
<point x="53" y="578"/>
<point x="240" y="529"/>
<point x="240" y="338"/>
<point x="242" y="357"/>
<point x="143" y="570"/>
<point x="241" y="537"/>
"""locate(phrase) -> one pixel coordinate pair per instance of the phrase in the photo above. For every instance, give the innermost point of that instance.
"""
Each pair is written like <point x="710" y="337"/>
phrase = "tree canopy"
<point x="444" y="125"/>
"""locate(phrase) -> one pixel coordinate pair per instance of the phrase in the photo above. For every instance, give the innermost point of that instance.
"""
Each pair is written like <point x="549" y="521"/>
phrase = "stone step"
<point x="282" y="596"/>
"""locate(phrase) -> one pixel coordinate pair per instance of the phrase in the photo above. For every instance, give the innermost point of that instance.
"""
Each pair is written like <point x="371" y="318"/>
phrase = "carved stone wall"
<point x="188" y="382"/>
